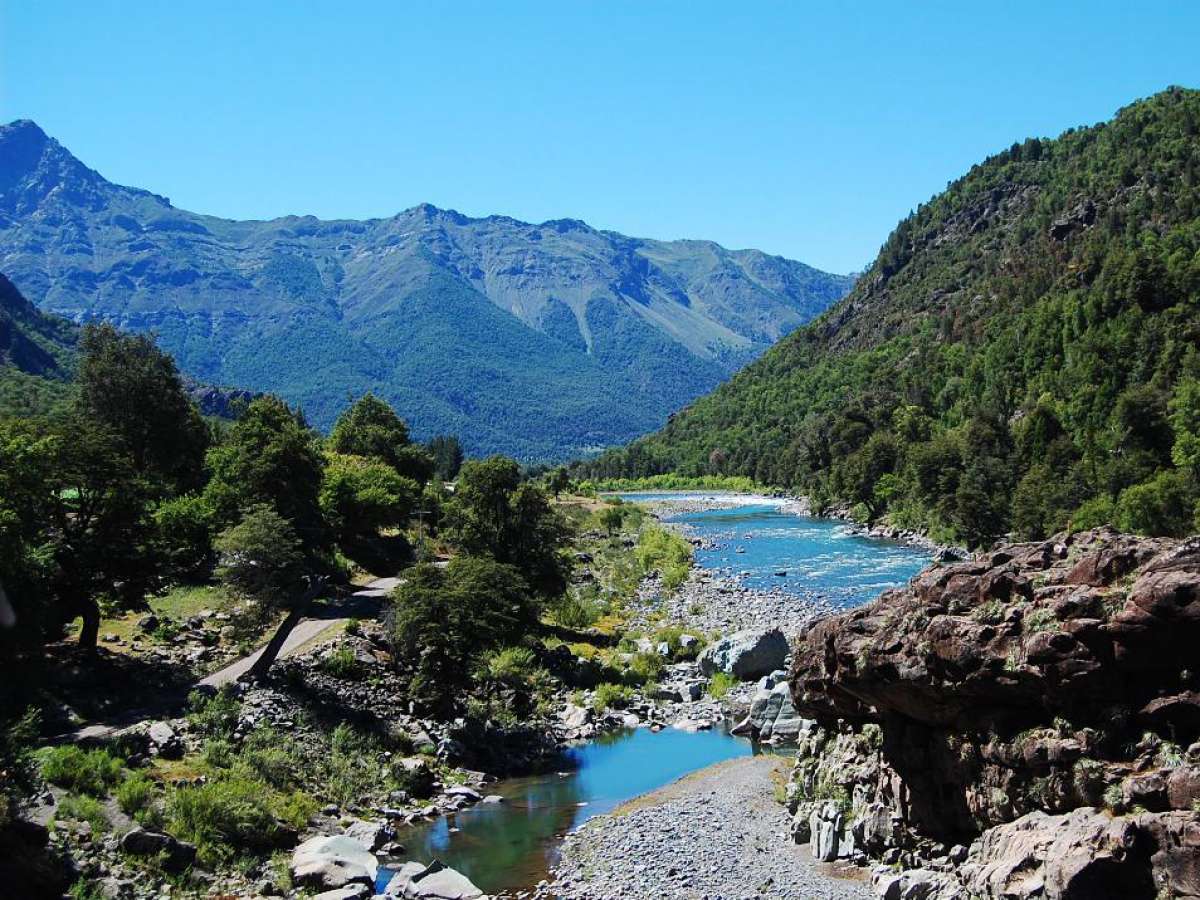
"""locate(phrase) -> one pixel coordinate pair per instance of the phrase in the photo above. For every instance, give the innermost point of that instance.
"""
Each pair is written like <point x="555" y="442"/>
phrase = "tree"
<point x="262" y="559"/>
<point x="447" y="455"/>
<point x="1185" y="423"/>
<point x="372" y="429"/>
<point x="360" y="496"/>
<point x="269" y="457"/>
<point x="132" y="388"/>
<point x="560" y="480"/>
<point x="443" y="619"/>
<point x="493" y="514"/>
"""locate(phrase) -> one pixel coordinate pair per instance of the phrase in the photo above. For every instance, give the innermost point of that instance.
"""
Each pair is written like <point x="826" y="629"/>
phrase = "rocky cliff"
<point x="1039" y="703"/>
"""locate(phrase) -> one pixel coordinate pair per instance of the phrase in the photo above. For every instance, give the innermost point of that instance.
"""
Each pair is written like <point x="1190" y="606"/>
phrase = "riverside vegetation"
<point x="185" y="542"/>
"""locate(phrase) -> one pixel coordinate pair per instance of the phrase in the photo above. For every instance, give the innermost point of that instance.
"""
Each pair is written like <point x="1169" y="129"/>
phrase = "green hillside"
<point x="1022" y="354"/>
<point x="37" y="355"/>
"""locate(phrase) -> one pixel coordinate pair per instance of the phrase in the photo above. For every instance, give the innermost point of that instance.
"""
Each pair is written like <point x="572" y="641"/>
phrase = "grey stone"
<point x="746" y="654"/>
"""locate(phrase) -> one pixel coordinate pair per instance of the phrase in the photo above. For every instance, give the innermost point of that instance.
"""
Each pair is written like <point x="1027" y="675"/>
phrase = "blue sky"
<point x="803" y="129"/>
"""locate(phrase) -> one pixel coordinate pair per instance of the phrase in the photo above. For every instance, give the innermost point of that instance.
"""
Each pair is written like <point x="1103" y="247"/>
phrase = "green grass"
<point x="341" y="663"/>
<point x="609" y="696"/>
<point x="92" y="772"/>
<point x="82" y="808"/>
<point x="665" y="552"/>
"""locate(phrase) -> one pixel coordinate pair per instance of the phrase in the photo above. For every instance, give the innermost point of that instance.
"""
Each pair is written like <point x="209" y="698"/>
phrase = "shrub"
<point x="721" y="684"/>
<point x="214" y="715"/>
<point x="91" y="772"/>
<point x="572" y="611"/>
<point x="83" y="808"/>
<point x="646" y="667"/>
<point x="135" y="794"/>
<point x="665" y="552"/>
<point x="609" y="695"/>
<point x="341" y="663"/>
<point x="512" y="665"/>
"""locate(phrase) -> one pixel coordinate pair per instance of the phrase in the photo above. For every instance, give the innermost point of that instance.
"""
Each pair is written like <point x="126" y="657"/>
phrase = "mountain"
<point x="37" y="354"/>
<point x="1022" y="355"/>
<point x="541" y="341"/>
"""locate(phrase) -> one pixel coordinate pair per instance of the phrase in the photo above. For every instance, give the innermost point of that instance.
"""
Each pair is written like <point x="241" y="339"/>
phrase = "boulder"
<point x="746" y="654"/>
<point x="575" y="716"/>
<point x="431" y="882"/>
<point x="175" y="855"/>
<point x="371" y="835"/>
<point x="326" y="863"/>
<point x="350" y="892"/>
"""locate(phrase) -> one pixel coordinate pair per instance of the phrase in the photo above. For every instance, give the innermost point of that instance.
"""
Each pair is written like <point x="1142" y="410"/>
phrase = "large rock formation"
<point x="1039" y="700"/>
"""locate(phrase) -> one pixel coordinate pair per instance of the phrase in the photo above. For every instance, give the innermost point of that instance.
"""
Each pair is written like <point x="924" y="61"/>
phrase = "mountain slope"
<point x="1022" y="353"/>
<point x="37" y="354"/>
<point x="538" y="340"/>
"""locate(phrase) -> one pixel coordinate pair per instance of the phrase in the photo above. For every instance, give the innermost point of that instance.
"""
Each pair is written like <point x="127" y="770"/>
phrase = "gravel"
<point x="717" y="834"/>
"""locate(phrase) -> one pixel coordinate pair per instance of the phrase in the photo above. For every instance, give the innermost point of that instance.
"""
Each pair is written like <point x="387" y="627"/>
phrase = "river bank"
<point x="719" y="832"/>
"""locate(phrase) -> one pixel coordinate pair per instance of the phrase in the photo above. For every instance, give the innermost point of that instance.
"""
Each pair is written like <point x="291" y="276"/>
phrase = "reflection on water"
<point x="511" y="845"/>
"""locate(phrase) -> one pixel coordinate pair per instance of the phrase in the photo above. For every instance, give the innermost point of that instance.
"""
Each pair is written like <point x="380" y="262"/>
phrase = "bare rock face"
<point x="1041" y="700"/>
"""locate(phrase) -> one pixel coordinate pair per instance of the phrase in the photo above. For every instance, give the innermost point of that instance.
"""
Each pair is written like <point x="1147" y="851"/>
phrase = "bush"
<point x="135" y="794"/>
<point x="665" y="552"/>
<point x="341" y="663"/>
<point x="214" y="715"/>
<point x="576" y="612"/>
<point x="512" y="665"/>
<point x="92" y="772"/>
<point x="609" y="695"/>
<point x="645" y="668"/>
<point x="721" y="684"/>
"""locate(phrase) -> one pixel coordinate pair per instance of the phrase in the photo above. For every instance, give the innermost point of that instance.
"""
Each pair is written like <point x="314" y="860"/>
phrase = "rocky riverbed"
<point x="717" y="833"/>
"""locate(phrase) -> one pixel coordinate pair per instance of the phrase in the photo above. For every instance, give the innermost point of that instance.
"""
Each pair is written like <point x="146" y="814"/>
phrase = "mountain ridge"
<point x="624" y="330"/>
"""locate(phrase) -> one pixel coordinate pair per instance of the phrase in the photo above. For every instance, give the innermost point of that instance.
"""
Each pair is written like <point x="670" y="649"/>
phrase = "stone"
<point x="467" y="793"/>
<point x="575" y="716"/>
<point x="175" y="855"/>
<point x="325" y="863"/>
<point x="825" y="827"/>
<point x="432" y="882"/>
<point x="371" y="835"/>
<point x="745" y="654"/>
<point x="350" y="892"/>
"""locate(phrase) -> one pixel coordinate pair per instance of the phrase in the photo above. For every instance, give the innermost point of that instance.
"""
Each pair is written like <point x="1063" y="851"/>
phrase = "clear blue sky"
<point x="805" y="129"/>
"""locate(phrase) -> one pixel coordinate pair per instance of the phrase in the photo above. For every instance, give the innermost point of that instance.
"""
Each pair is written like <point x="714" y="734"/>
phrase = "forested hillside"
<point x="1022" y="355"/>
<point x="36" y="354"/>
<point x="472" y="326"/>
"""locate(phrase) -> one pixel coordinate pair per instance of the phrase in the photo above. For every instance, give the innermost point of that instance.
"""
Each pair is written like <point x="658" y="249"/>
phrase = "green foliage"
<point x="215" y="715"/>
<point x="269" y="458"/>
<point x="92" y="772"/>
<point x="360" y="495"/>
<point x="574" y="610"/>
<point x="131" y="388"/>
<point x="135" y="795"/>
<point x="84" y="808"/>
<point x="611" y="696"/>
<point x="665" y="552"/>
<point x="721" y="684"/>
<point x="183" y="527"/>
<point x="1021" y="355"/>
<point x="494" y="514"/>
<point x="227" y="816"/>
<point x="261" y="557"/>
<point x="442" y="619"/>
<point x="370" y="428"/>
<point x="447" y="455"/>
<point x="341" y="663"/>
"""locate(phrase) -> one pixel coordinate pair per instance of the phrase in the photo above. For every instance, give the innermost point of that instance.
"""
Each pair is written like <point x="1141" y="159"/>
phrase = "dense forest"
<point x="1022" y="356"/>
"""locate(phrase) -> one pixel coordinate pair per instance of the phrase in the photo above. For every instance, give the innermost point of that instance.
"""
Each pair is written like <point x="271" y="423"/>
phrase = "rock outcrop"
<point x="1040" y="701"/>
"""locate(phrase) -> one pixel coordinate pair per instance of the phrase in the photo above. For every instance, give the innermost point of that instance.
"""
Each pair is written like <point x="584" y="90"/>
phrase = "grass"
<point x="82" y="808"/>
<point x="227" y="816"/>
<point x="135" y="794"/>
<point x="91" y="772"/>
<point x="179" y="603"/>
<point x="665" y="552"/>
<point x="341" y="663"/>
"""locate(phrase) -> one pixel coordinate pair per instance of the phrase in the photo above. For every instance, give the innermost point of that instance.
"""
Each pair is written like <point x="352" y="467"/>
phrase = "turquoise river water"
<point x="511" y="845"/>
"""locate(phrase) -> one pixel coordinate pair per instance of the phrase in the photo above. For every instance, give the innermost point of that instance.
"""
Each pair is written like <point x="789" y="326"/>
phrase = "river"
<point x="511" y="845"/>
